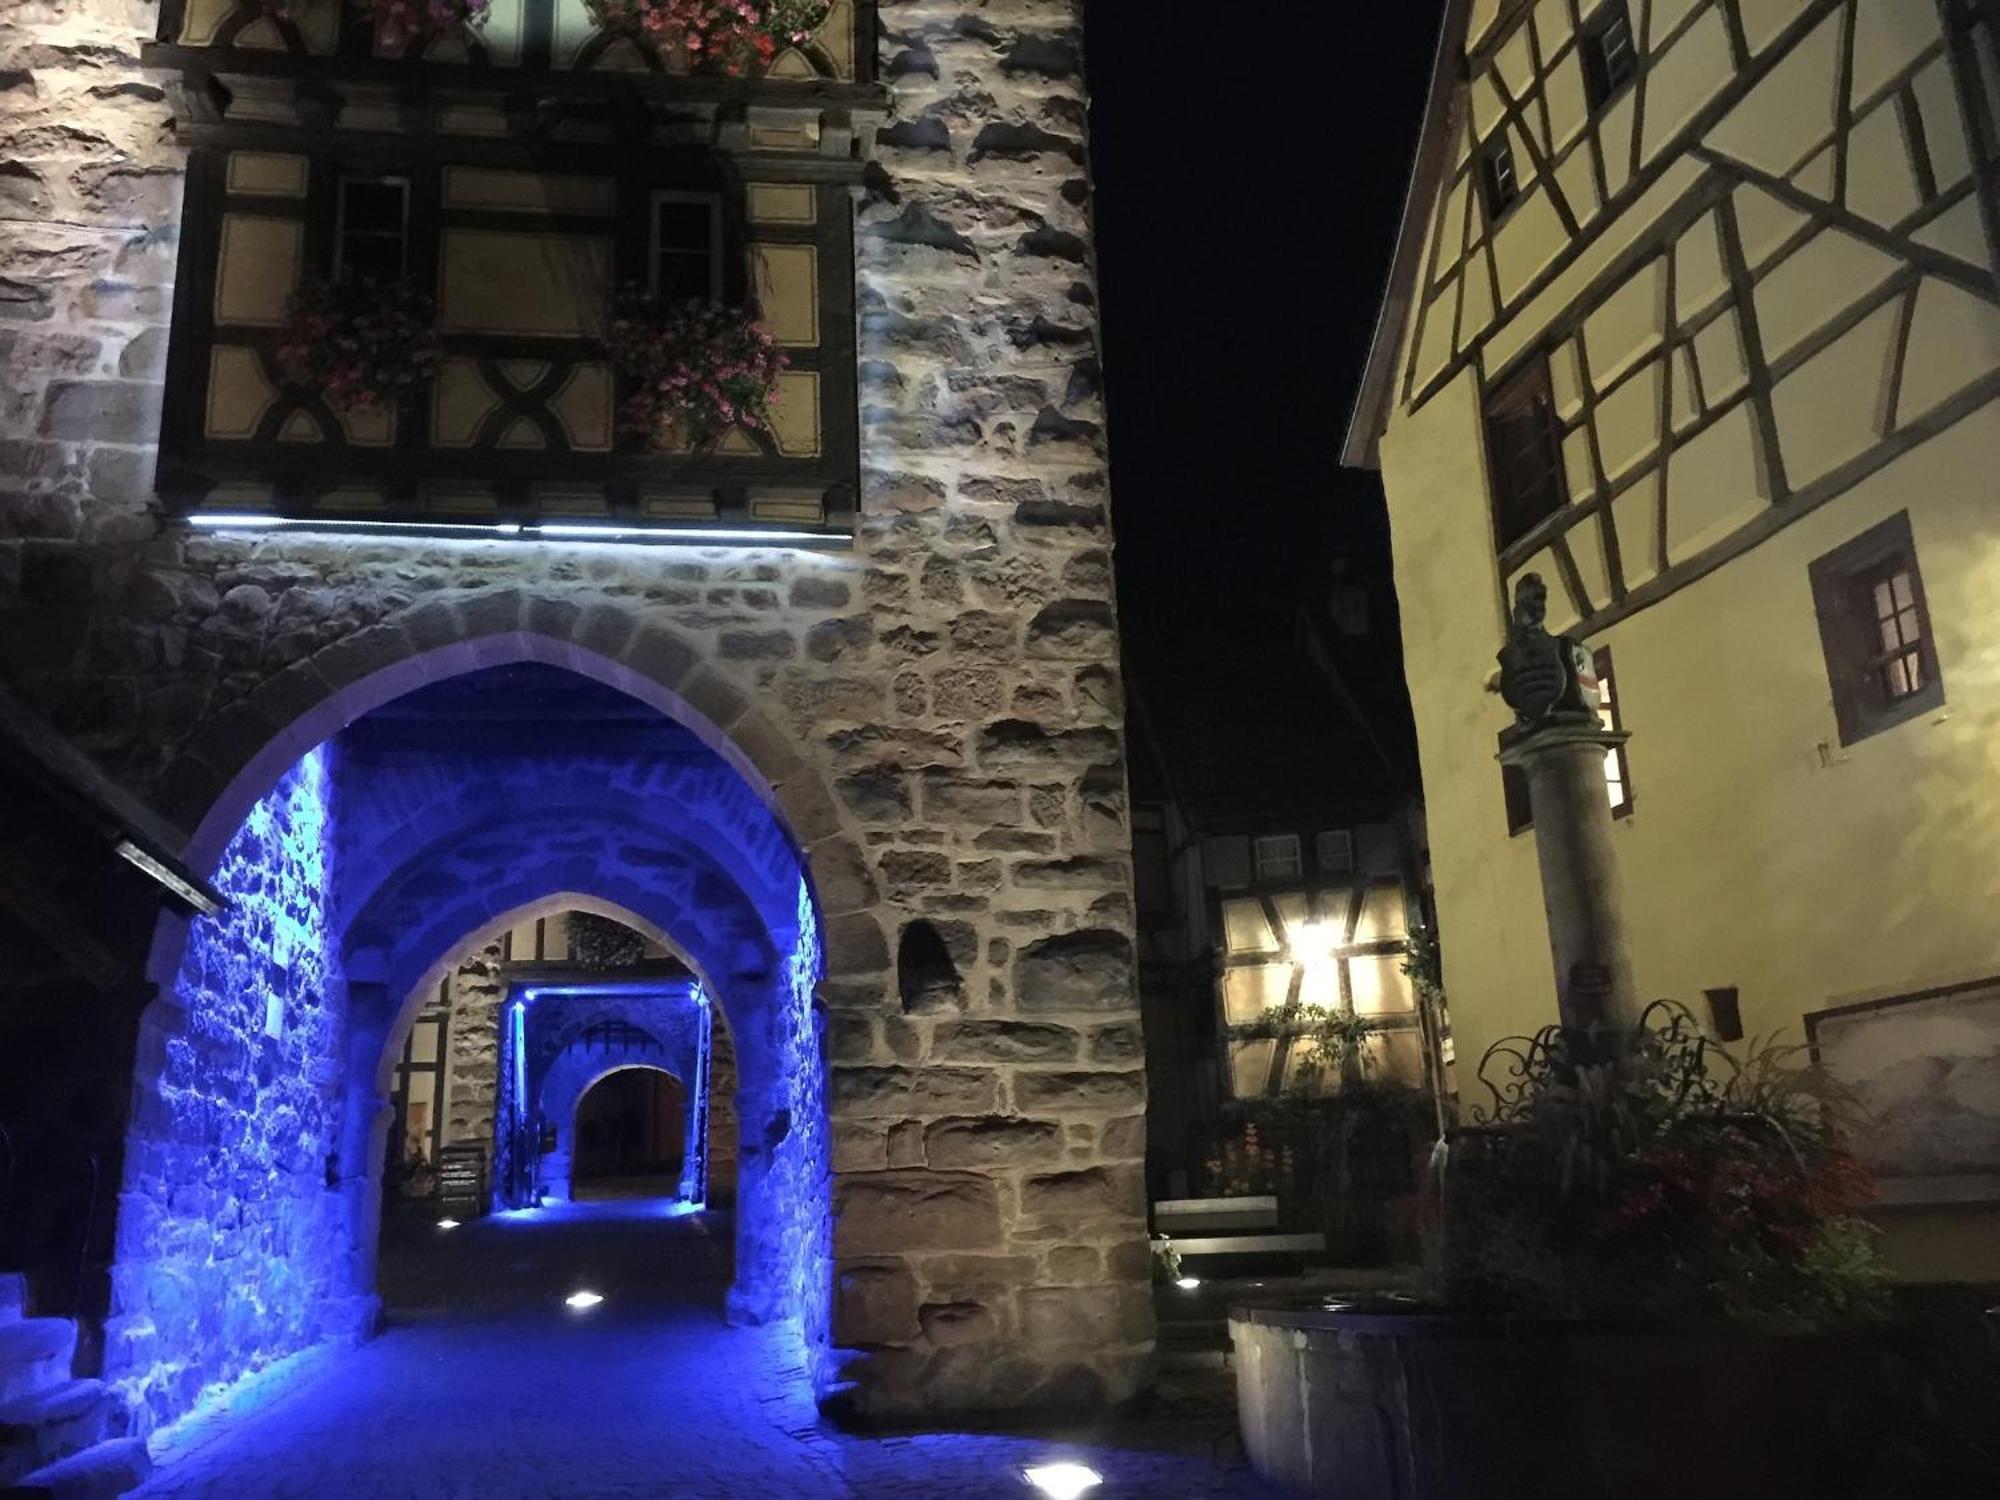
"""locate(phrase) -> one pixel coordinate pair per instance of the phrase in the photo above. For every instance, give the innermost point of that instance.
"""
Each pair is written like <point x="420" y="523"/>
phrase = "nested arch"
<point x="260" y="1085"/>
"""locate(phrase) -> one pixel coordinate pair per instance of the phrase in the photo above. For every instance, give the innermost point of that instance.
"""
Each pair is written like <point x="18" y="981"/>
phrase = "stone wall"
<point x="937" y="713"/>
<point x="233" y="1241"/>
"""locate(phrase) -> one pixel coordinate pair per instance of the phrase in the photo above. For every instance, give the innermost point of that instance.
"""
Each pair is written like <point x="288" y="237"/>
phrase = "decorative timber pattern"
<point x="1337" y="948"/>
<point x="534" y="151"/>
<point x="1743" y="307"/>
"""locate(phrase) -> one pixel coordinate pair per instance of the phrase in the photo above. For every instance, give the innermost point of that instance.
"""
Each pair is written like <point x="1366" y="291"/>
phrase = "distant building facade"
<point x="1695" y="315"/>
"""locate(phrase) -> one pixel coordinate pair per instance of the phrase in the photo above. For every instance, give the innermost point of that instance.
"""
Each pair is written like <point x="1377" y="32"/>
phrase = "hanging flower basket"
<point x="401" y="21"/>
<point x="363" y="346"/>
<point x="693" y="372"/>
<point x="731" y="35"/>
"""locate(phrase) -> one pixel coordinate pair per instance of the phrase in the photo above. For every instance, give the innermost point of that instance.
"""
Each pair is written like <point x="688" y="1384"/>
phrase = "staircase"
<point x="60" y="1439"/>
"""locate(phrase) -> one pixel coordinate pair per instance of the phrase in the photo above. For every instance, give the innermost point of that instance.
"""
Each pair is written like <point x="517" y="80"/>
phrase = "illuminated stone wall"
<point x="233" y="1241"/>
<point x="937" y="714"/>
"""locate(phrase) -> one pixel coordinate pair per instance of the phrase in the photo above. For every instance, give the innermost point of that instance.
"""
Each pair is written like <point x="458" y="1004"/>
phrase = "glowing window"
<point x="1617" y="770"/>
<point x="1881" y="659"/>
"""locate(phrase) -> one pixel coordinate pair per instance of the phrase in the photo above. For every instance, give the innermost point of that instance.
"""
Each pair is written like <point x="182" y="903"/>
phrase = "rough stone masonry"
<point x="938" y="712"/>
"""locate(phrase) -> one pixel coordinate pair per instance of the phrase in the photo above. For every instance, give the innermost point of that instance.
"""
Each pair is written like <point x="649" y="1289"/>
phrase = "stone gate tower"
<point x="892" y="611"/>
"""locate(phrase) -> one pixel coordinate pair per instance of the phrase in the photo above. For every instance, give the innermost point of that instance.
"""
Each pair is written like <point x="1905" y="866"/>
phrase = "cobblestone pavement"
<point x="486" y="1386"/>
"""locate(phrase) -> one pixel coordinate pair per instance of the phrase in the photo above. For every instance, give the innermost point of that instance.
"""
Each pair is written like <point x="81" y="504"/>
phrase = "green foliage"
<point x="1655" y="1174"/>
<point x="1325" y="1041"/>
<point x="1166" y="1259"/>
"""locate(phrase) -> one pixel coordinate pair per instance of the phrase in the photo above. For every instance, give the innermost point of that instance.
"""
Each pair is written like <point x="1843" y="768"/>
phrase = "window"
<point x="1278" y="858"/>
<point x="1525" y="454"/>
<point x="1875" y="630"/>
<point x="371" y="228"/>
<point x="1498" y="180"/>
<point x="686" y="246"/>
<point x="1617" y="770"/>
<point x="1610" y="59"/>
<point x="1333" y="851"/>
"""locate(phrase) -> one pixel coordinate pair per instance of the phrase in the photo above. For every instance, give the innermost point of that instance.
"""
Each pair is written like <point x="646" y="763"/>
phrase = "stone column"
<point x="1562" y="756"/>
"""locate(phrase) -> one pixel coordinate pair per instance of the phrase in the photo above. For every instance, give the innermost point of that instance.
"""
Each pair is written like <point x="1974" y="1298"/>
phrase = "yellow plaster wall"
<point x="1761" y="853"/>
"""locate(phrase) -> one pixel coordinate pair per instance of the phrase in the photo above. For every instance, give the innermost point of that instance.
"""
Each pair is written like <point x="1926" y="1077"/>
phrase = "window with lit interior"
<point x="1874" y="626"/>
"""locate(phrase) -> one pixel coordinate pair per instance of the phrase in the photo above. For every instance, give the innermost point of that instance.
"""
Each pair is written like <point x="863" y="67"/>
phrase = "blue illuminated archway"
<point x="259" y="1100"/>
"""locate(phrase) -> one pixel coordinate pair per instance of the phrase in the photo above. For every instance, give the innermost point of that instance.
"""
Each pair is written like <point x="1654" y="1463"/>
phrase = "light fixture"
<point x="580" y="531"/>
<point x="581" y="1301"/>
<point x="1188" y="1283"/>
<point x="193" y="895"/>
<point x="1063" y="1481"/>
<point x="447" y="1223"/>
<point x="586" y="531"/>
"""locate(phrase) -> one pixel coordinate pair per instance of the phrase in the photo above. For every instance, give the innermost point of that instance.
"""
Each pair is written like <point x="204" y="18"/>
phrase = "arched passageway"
<point x="629" y="1138"/>
<point x="262" y="1121"/>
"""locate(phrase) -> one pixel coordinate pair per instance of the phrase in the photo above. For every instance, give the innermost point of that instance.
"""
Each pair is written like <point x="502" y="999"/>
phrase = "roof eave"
<point x="1359" y="450"/>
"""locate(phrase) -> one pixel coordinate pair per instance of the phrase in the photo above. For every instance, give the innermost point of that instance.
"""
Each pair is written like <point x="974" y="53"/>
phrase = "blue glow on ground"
<point x="649" y="1394"/>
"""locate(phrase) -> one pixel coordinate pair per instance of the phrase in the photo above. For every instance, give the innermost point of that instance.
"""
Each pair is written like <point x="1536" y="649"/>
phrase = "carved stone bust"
<point x="1543" y="674"/>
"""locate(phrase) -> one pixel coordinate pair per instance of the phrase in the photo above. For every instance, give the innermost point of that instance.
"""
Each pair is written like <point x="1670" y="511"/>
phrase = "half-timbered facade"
<point x="526" y="171"/>
<point x="1695" y="315"/>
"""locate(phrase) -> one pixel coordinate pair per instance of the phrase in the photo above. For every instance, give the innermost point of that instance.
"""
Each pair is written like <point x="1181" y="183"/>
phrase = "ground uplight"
<point x="447" y="1223"/>
<point x="581" y="1301"/>
<point x="1063" y="1481"/>
<point x="1188" y="1283"/>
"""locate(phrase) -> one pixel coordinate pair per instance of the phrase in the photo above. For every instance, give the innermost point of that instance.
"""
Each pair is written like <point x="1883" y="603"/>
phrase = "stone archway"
<point x="257" y="1100"/>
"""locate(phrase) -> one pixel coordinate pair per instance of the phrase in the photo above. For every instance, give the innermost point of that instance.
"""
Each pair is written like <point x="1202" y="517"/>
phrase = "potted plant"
<point x="362" y="346"/>
<point x="1652" y="1268"/>
<point x="729" y="36"/>
<point x="691" y="372"/>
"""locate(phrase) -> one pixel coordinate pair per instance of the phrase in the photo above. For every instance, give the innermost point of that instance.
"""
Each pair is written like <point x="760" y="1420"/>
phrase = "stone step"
<point x="1193" y="1358"/>
<point x="100" y="1473"/>
<point x="35" y="1354"/>
<point x="37" y="1430"/>
<point x="1249" y="1244"/>
<point x="13" y="1297"/>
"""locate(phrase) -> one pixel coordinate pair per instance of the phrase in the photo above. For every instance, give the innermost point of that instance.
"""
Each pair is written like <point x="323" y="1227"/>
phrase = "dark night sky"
<point x="1249" y="180"/>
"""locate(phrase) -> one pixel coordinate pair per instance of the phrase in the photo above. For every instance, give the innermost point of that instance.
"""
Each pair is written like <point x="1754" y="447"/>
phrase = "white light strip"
<point x="675" y="533"/>
<point x="133" y="855"/>
<point x="230" y="520"/>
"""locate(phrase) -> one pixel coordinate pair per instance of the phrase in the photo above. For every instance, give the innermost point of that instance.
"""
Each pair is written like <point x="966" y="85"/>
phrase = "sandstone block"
<point x="1098" y="1093"/>
<point x="995" y="1141"/>
<point x="1004" y="1041"/>
<point x="1076" y="971"/>
<point x="914" y="1091"/>
<point x="874" y="1304"/>
<point x="892" y="1213"/>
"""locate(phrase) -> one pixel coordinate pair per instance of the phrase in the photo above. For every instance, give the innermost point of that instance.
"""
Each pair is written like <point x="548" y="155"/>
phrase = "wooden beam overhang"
<point x="256" y="99"/>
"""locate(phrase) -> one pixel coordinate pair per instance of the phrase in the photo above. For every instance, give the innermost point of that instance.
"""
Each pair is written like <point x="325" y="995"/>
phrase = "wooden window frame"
<point x="713" y="203"/>
<point x="1600" y="88"/>
<point x="1850" y="637"/>
<point x="1298" y="860"/>
<point x="1500" y="194"/>
<point x="1528" y="388"/>
<point x="1613" y="716"/>
<point x="346" y="180"/>
<point x="1329" y="868"/>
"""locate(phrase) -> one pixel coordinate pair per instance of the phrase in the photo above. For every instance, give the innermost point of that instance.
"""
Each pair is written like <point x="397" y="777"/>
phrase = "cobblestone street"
<point x="486" y="1386"/>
